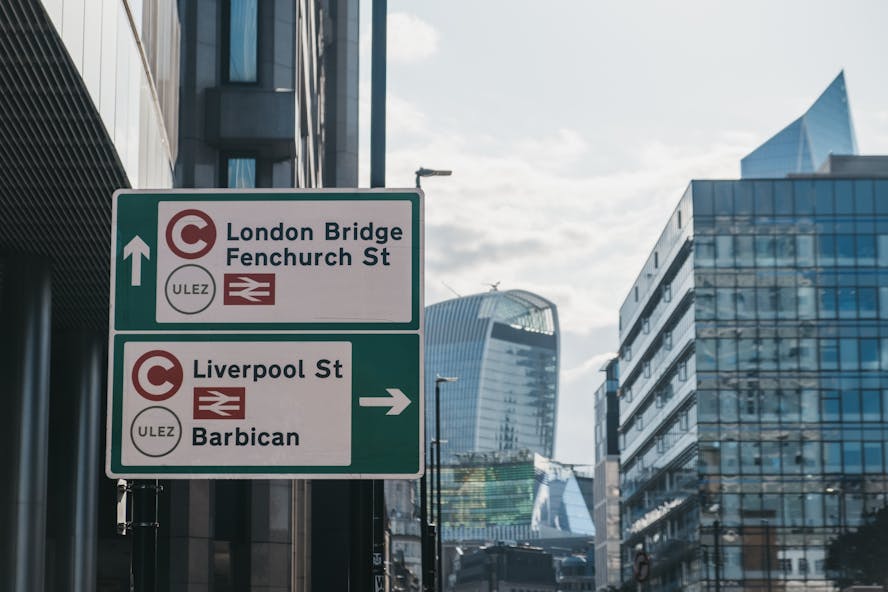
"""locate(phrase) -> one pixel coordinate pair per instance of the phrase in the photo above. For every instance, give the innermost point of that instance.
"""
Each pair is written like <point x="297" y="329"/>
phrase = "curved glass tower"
<point x="503" y="347"/>
<point x="805" y="144"/>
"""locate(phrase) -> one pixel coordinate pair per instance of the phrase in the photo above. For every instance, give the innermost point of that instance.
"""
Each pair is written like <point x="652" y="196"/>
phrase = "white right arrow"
<point x="397" y="401"/>
<point x="136" y="249"/>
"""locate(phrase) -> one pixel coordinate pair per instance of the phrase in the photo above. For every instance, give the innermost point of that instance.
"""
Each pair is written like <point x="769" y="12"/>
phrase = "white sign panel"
<point x="293" y="261"/>
<point x="261" y="404"/>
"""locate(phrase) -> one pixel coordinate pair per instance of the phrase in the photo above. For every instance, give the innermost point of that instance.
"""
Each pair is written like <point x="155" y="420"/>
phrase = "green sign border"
<point x="134" y="309"/>
<point x="383" y="446"/>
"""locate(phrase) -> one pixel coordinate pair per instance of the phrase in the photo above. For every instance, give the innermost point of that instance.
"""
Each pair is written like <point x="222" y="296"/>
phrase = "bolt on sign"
<point x="262" y="334"/>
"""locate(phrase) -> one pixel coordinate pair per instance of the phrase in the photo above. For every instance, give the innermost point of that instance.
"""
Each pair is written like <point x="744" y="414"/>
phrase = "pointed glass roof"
<point x="803" y="145"/>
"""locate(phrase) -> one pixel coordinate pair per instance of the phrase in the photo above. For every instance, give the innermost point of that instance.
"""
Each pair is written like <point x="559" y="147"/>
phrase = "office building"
<point x="501" y="567"/>
<point x="503" y="347"/>
<point x="88" y="105"/>
<point x="754" y="381"/>
<point x="805" y="144"/>
<point x="149" y="94"/>
<point x="520" y="496"/>
<point x="606" y="499"/>
<point x="255" y="113"/>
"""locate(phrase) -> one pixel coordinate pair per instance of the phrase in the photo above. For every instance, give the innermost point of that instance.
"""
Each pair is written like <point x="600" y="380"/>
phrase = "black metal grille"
<point x="58" y="167"/>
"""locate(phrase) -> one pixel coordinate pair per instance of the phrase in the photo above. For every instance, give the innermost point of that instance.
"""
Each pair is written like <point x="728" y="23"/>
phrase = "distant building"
<point x="754" y="382"/>
<point x="502" y="568"/>
<point x="503" y="347"/>
<point x="574" y="574"/>
<point x="488" y="497"/>
<point x="606" y="512"/>
<point x="805" y="144"/>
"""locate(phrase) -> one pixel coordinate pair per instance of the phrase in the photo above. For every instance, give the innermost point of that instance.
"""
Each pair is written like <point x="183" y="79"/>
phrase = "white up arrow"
<point x="397" y="401"/>
<point x="136" y="249"/>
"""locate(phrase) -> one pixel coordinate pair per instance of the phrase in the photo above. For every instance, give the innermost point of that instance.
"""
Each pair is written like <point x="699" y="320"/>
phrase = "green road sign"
<point x="258" y="260"/>
<point x="265" y="406"/>
<point x="266" y="333"/>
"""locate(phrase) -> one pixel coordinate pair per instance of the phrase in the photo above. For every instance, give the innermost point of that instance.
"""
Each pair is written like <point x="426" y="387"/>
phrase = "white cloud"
<point x="515" y="213"/>
<point x="409" y="39"/>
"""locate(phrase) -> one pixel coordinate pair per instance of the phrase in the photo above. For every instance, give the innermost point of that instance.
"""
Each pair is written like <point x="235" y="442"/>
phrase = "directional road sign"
<point x="266" y="333"/>
<point x="265" y="405"/>
<point x="266" y="260"/>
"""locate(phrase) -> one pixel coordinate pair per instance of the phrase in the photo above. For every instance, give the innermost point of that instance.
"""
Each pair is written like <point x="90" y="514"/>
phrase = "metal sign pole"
<point x="377" y="179"/>
<point x="144" y="526"/>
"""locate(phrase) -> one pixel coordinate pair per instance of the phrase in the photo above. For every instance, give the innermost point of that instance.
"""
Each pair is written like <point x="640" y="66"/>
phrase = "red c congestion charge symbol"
<point x="191" y="234"/>
<point x="157" y="375"/>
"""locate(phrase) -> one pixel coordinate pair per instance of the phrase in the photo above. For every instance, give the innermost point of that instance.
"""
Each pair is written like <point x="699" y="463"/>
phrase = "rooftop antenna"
<point x="494" y="287"/>
<point x="446" y="285"/>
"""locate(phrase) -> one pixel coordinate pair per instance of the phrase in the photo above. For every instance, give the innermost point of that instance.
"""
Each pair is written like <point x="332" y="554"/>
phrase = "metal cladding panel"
<point x="58" y="167"/>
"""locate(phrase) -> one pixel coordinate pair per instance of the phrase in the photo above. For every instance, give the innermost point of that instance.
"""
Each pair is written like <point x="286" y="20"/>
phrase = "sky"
<point x="573" y="127"/>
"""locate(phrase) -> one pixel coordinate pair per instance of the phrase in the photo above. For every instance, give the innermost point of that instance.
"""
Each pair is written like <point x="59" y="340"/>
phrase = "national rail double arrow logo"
<point x="249" y="289"/>
<point x="219" y="402"/>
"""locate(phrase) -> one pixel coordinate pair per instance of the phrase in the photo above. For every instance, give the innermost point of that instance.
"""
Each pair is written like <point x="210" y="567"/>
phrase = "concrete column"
<point x="75" y="461"/>
<point x="25" y="319"/>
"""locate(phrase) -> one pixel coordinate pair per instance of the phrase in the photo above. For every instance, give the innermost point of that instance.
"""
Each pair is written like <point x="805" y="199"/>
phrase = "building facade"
<point x="269" y="90"/>
<point x="606" y="499"/>
<point x="489" y="497"/>
<point x="754" y="363"/>
<point x="144" y="94"/>
<point x="503" y="347"/>
<point x="89" y="105"/>
<point x="501" y="567"/>
<point x="805" y="144"/>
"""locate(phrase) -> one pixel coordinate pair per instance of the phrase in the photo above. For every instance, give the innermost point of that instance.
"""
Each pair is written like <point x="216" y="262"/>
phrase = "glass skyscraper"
<point x="754" y="393"/>
<point x="805" y="144"/>
<point x="517" y="496"/>
<point x="503" y="347"/>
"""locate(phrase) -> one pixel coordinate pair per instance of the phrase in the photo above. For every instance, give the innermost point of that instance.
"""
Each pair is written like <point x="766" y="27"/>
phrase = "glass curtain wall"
<point x="792" y="372"/>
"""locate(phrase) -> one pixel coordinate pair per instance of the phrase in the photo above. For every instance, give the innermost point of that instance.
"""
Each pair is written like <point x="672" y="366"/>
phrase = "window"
<point x="683" y="370"/>
<point x="243" y="30"/>
<point x="646" y="325"/>
<point x="647" y="369"/>
<point x="241" y="173"/>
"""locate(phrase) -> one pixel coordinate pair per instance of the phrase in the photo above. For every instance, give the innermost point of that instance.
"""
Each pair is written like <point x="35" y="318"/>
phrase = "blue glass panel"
<point x="702" y="198"/>
<point x="243" y="40"/>
<point x="823" y="199"/>
<point x="783" y="198"/>
<point x="871" y="403"/>
<point x="831" y="406"/>
<point x="832" y="457"/>
<point x="872" y="457"/>
<point x="866" y="249"/>
<point x="869" y="354"/>
<point x="881" y="196"/>
<point x="804" y="198"/>
<point x="863" y="197"/>
<point x="844" y="197"/>
<point x="848" y="354"/>
<point x="241" y="173"/>
<point x="826" y="250"/>
<point x="853" y="457"/>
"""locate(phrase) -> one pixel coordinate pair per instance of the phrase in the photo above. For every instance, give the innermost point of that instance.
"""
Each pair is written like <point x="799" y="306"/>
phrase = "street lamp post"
<point x="424" y="172"/>
<point x="440" y="524"/>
